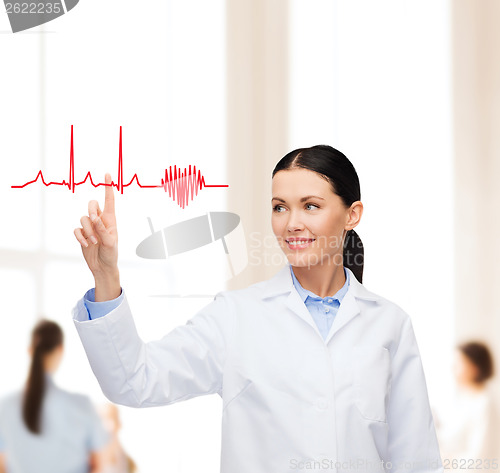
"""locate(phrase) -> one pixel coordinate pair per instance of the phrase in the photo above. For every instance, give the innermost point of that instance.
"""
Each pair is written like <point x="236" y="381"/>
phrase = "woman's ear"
<point x="354" y="214"/>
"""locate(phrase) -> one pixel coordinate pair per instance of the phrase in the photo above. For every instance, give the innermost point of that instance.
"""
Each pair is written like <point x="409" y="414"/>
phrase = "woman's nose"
<point x="294" y="223"/>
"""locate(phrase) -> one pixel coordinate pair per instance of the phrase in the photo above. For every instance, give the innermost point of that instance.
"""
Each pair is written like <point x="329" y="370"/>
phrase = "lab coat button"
<point x="322" y="404"/>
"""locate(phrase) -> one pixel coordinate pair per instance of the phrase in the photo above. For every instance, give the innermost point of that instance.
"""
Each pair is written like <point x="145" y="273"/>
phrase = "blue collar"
<point x="304" y="293"/>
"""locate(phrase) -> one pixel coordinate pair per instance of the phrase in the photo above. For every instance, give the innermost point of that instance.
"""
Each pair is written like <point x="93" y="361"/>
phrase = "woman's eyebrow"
<point x="301" y="200"/>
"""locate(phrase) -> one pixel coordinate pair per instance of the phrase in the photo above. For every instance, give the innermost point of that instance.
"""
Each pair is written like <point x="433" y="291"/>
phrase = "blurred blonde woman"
<point x="44" y="429"/>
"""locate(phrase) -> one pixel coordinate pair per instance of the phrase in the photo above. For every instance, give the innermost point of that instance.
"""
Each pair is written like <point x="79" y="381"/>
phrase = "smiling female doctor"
<point x="315" y="371"/>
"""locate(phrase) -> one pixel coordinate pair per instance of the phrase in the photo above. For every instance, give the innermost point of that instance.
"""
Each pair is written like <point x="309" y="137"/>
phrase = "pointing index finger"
<point x="109" y="198"/>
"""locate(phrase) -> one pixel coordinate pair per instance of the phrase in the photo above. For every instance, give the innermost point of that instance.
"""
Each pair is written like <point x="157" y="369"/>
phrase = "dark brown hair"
<point x="479" y="354"/>
<point x="334" y="167"/>
<point x="45" y="337"/>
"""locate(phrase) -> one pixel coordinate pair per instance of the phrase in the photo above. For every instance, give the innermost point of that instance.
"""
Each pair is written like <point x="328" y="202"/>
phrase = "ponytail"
<point x="46" y="336"/>
<point x="353" y="254"/>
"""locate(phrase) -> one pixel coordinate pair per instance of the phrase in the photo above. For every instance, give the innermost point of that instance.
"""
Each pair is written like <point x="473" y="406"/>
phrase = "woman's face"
<point x="464" y="370"/>
<point x="304" y="207"/>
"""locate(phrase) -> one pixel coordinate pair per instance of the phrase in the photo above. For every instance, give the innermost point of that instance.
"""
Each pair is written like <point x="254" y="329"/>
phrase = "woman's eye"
<point x="275" y="208"/>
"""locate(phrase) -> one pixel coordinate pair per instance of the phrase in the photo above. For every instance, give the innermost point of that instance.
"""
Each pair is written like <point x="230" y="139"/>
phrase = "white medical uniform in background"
<point x="292" y="400"/>
<point x="468" y="431"/>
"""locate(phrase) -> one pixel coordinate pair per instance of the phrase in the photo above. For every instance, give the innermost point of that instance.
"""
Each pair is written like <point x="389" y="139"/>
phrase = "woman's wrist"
<point x="107" y="286"/>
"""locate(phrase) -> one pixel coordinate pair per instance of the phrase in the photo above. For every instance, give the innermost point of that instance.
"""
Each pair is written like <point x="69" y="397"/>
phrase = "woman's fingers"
<point x="88" y="230"/>
<point x="99" y="227"/>
<point x="109" y="196"/>
<point x="80" y="237"/>
<point x="94" y="209"/>
<point x="101" y="230"/>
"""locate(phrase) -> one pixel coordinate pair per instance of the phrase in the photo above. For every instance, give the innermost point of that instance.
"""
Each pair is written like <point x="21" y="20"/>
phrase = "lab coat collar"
<point x="282" y="283"/>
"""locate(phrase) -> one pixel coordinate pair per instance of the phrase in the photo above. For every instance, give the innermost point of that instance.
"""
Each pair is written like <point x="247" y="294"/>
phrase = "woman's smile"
<point x="308" y="218"/>
<point x="299" y="243"/>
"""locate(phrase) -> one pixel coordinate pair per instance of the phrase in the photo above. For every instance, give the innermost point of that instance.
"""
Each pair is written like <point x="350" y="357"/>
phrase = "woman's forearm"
<point x="107" y="286"/>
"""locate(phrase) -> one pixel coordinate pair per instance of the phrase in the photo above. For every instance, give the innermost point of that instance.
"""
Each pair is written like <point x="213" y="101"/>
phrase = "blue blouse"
<point x="323" y="310"/>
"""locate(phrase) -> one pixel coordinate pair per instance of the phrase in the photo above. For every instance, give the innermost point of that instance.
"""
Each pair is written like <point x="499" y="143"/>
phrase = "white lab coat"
<point x="292" y="401"/>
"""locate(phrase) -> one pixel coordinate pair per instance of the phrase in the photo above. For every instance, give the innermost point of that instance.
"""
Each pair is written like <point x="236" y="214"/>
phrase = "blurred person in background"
<point x="44" y="429"/>
<point x="468" y="426"/>
<point x="114" y="458"/>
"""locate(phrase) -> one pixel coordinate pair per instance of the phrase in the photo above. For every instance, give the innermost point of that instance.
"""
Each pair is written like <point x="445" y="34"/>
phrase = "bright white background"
<point x="363" y="77"/>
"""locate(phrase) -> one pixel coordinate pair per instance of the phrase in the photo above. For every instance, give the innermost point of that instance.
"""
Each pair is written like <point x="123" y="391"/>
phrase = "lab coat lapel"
<point x="282" y="283"/>
<point x="348" y="309"/>
<point x="296" y="304"/>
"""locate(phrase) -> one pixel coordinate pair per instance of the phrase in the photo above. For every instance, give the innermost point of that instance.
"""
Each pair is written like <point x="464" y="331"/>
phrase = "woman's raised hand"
<point x="99" y="240"/>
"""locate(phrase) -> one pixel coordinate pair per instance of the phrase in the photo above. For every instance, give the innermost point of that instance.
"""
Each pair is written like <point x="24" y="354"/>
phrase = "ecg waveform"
<point x="179" y="184"/>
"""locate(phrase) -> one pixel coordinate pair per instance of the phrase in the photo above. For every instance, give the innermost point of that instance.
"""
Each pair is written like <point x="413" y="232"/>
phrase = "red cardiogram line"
<point x="178" y="182"/>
